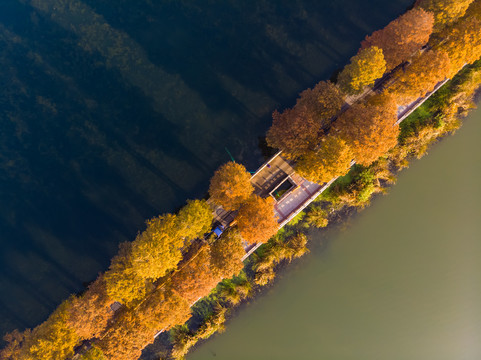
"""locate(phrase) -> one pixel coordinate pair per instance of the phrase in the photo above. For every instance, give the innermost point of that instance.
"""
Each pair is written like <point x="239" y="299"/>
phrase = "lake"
<point x="402" y="281"/>
<point x="115" y="111"/>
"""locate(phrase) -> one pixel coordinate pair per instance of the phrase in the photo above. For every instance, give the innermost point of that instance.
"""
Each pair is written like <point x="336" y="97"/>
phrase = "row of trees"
<point x="417" y="62"/>
<point x="157" y="278"/>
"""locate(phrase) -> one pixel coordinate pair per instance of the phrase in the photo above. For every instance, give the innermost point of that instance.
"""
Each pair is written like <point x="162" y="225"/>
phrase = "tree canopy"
<point x="89" y="313"/>
<point x="421" y="76"/>
<point x="297" y="130"/>
<point x="322" y="102"/>
<point x="402" y="37"/>
<point x="230" y="186"/>
<point x="445" y="12"/>
<point x="369" y="128"/>
<point x="195" y="279"/>
<point x="256" y="220"/>
<point x="332" y="158"/>
<point x="365" y="68"/>
<point x="463" y="43"/>
<point x="194" y="219"/>
<point x="226" y="253"/>
<point x="122" y="282"/>
<point x="157" y="250"/>
<point x="53" y="339"/>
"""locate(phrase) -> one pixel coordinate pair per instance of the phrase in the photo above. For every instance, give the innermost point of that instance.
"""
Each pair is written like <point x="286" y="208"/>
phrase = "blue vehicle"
<point x="218" y="230"/>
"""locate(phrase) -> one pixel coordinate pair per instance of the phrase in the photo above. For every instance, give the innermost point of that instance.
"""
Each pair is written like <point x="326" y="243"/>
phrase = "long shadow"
<point x="185" y="39"/>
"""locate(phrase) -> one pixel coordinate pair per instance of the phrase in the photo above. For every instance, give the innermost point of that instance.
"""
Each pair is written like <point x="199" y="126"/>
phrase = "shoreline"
<point x="339" y="218"/>
<point x="144" y="288"/>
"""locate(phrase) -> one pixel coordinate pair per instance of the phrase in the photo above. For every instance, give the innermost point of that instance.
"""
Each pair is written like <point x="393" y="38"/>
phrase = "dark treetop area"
<point x="114" y="111"/>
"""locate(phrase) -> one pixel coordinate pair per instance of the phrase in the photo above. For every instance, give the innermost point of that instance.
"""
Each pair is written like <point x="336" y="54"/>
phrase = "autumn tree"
<point x="402" y="37"/>
<point x="463" y="43"/>
<point x="317" y="217"/>
<point x="194" y="219"/>
<point x="195" y="278"/>
<point x="157" y="250"/>
<point x="53" y="339"/>
<point x="322" y="102"/>
<point x="126" y="338"/>
<point x="297" y="130"/>
<point x="445" y="12"/>
<point x="256" y="220"/>
<point x="474" y="10"/>
<point x="421" y="76"/>
<point x="135" y="329"/>
<point x="369" y="128"/>
<point x="332" y="159"/>
<point x="89" y="313"/>
<point x="17" y="344"/>
<point x="230" y="186"/>
<point x="164" y="309"/>
<point x="123" y="284"/>
<point x="226" y="254"/>
<point x="365" y="68"/>
<point x="94" y="353"/>
<point x="293" y="132"/>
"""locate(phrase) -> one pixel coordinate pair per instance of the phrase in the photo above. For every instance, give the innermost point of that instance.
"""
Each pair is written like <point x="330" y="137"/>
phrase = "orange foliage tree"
<point x="369" y="128"/>
<point x="89" y="313"/>
<point x="402" y="37"/>
<point x="136" y="329"/>
<point x="195" y="278"/>
<point x="226" y="253"/>
<point x="463" y="43"/>
<point x="321" y="102"/>
<point x="421" y="76"/>
<point x="230" y="186"/>
<point x="297" y="130"/>
<point x="332" y="158"/>
<point x="445" y="12"/>
<point x="126" y="338"/>
<point x="256" y="220"/>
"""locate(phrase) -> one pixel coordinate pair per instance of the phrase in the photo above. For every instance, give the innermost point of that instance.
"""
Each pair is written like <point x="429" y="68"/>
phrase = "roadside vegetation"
<point x="176" y="281"/>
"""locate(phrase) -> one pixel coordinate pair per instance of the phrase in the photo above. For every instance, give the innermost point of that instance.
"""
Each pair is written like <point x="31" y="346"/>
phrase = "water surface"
<point x="114" y="111"/>
<point x="402" y="282"/>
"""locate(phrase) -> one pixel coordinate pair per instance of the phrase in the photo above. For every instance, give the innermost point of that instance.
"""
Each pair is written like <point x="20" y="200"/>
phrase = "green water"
<point x="401" y="282"/>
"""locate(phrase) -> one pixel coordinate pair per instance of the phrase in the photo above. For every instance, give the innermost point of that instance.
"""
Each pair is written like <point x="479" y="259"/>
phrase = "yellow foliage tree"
<point x="158" y="249"/>
<point x="54" y="339"/>
<point x="256" y="220"/>
<point x="402" y="37"/>
<point x="445" y="12"/>
<point x="421" y="76"/>
<point x="369" y="128"/>
<point x="122" y="282"/>
<point x="365" y="68"/>
<point x="332" y="159"/>
<point x="230" y="186"/>
<point x="194" y="219"/>
<point x="463" y="43"/>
